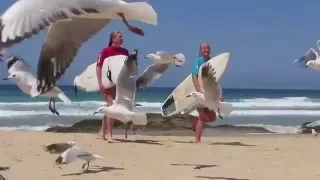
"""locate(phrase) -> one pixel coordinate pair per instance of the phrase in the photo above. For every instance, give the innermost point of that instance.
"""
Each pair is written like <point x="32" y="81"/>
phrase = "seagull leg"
<point x="88" y="165"/>
<point x="54" y="107"/>
<point x="219" y="113"/>
<point x="83" y="165"/>
<point x="126" y="133"/>
<point x="133" y="129"/>
<point x="50" y="107"/>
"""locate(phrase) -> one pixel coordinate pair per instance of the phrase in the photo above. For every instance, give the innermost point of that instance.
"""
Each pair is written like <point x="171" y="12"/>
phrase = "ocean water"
<point x="280" y="111"/>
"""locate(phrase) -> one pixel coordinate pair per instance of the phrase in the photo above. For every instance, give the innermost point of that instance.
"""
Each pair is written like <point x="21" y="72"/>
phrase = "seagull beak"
<point x="188" y="95"/>
<point x="96" y="112"/>
<point x="4" y="79"/>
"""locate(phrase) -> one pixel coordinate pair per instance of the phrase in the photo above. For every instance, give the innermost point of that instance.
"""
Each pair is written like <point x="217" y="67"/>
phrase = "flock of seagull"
<point x="310" y="59"/>
<point x="70" y="23"/>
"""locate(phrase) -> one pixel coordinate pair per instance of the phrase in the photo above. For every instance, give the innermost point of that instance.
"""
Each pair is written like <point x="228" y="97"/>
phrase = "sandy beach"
<point x="253" y="157"/>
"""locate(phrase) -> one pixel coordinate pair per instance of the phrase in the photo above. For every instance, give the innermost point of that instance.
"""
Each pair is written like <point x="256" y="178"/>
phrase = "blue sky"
<point x="264" y="37"/>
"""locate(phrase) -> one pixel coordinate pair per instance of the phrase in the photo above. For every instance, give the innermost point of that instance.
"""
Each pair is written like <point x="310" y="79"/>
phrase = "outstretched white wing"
<point x="208" y="83"/>
<point x="26" y="18"/>
<point x="309" y="56"/>
<point x="74" y="21"/>
<point x="73" y="154"/>
<point x="125" y="88"/>
<point x="150" y="74"/>
<point x="25" y="78"/>
<point x="61" y="46"/>
<point x="318" y="44"/>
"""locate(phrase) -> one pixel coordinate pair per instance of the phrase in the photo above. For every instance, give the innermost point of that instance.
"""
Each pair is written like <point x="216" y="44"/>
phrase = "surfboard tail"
<point x="225" y="108"/>
<point x="64" y="98"/>
<point x="179" y="59"/>
<point x="139" y="118"/>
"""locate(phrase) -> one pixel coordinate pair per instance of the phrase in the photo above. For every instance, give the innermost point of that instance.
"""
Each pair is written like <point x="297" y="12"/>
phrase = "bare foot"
<point x="101" y="136"/>
<point x="110" y="140"/>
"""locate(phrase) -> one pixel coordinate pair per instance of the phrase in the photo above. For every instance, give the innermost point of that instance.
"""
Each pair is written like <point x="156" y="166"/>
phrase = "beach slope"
<point x="252" y="157"/>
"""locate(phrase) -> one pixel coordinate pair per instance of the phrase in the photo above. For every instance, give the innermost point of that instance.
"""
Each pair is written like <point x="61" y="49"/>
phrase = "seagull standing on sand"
<point x="71" y="23"/>
<point x="212" y="92"/>
<point x="314" y="133"/>
<point x="20" y="72"/>
<point x="162" y="61"/>
<point x="75" y="153"/>
<point x="311" y="58"/>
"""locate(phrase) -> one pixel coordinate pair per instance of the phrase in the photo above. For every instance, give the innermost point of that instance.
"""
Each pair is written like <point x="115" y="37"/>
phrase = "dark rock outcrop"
<point x="307" y="129"/>
<point x="155" y="123"/>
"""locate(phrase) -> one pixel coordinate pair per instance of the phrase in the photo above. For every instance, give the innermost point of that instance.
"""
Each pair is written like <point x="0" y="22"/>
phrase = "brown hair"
<point x="112" y="35"/>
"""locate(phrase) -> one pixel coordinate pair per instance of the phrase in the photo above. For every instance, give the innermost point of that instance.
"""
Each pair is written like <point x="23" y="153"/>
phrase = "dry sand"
<point x="254" y="157"/>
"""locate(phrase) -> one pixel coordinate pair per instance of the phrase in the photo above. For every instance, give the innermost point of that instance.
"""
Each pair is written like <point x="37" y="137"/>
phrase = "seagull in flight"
<point x="212" y="92"/>
<point x="162" y="61"/>
<point x="20" y="72"/>
<point x="74" y="153"/>
<point x="310" y="59"/>
<point x="70" y="23"/>
<point x="125" y="94"/>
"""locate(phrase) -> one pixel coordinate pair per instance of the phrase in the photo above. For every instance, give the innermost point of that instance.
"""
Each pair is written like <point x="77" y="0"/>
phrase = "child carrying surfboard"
<point x="205" y="115"/>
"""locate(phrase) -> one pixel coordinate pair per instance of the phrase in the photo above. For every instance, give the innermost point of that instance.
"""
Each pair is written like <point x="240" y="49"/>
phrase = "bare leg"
<point x="199" y="126"/>
<point x="110" y="121"/>
<point x="103" y="128"/>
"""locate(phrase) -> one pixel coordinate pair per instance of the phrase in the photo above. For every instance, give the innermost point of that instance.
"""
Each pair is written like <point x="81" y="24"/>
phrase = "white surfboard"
<point x="177" y="101"/>
<point x="87" y="80"/>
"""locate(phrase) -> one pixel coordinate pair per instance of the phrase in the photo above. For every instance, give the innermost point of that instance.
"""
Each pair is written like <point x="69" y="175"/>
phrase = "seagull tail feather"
<point x="139" y="118"/>
<point x="225" y="108"/>
<point x="64" y="98"/>
<point x="97" y="156"/>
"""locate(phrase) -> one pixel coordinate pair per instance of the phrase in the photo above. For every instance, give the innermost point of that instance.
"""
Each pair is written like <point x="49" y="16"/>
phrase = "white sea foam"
<point x="242" y="107"/>
<point x="286" y="102"/>
<point x="30" y="128"/>
<point x="273" y="128"/>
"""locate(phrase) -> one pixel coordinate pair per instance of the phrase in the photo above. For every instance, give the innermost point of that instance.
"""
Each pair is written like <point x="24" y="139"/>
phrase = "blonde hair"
<point x="112" y="35"/>
<point x="205" y="42"/>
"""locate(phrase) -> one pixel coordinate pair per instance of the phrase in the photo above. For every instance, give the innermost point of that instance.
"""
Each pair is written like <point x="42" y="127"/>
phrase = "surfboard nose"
<point x="225" y="55"/>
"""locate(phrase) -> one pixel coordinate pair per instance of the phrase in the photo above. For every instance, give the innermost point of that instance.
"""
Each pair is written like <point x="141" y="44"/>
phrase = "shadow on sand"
<point x="197" y="166"/>
<point x="141" y="141"/>
<point x="221" y="178"/>
<point x="94" y="170"/>
<point x="184" y="142"/>
<point x="4" y="168"/>
<point x="231" y="144"/>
